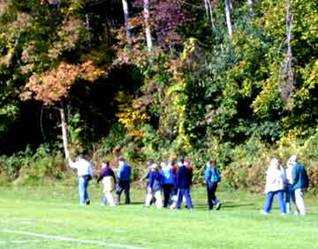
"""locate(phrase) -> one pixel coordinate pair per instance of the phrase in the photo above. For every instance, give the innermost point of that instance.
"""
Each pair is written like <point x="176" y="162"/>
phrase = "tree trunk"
<point x="64" y="133"/>
<point x="126" y="18"/>
<point x="228" y="5"/>
<point x="287" y="74"/>
<point x="250" y="6"/>
<point x="147" y="25"/>
<point x="209" y="11"/>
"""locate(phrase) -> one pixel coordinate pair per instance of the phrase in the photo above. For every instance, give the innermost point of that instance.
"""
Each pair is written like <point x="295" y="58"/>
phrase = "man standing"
<point x="123" y="174"/>
<point x="212" y="178"/>
<point x="184" y="181"/>
<point x="300" y="184"/>
<point x="85" y="173"/>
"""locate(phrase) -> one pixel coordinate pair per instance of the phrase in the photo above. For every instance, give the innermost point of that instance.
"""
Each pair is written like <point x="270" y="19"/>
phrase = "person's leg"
<point x="127" y="192"/>
<point x="81" y="190"/>
<point x="287" y="199"/>
<point x="165" y="195"/>
<point x="158" y="197"/>
<point x="281" y="201"/>
<point x="188" y="198"/>
<point x="110" y="198"/>
<point x="180" y="197"/>
<point x="149" y="197"/>
<point x="119" y="190"/>
<point x="86" y="195"/>
<point x="268" y="202"/>
<point x="209" y="195"/>
<point x="299" y="196"/>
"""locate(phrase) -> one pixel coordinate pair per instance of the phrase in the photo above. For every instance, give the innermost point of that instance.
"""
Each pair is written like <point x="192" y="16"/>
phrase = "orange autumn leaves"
<point x="53" y="85"/>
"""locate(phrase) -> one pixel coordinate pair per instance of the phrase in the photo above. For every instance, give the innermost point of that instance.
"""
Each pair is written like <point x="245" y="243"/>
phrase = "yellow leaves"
<point x="51" y="86"/>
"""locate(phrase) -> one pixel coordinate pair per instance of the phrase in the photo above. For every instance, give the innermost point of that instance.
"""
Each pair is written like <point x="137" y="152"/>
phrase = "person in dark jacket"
<point x="184" y="182"/>
<point x="212" y="177"/>
<point x="123" y="184"/>
<point x="154" y="186"/>
<point x="107" y="176"/>
<point x="169" y="182"/>
<point x="300" y="184"/>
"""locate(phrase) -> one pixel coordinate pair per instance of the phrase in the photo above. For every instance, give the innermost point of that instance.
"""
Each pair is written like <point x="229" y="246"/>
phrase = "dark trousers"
<point x="167" y="191"/>
<point x="211" y="189"/>
<point x="186" y="193"/>
<point x="123" y="186"/>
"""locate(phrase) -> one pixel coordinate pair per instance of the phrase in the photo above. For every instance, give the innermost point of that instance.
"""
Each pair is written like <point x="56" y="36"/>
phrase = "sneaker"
<point x="218" y="206"/>
<point x="88" y="202"/>
<point x="264" y="213"/>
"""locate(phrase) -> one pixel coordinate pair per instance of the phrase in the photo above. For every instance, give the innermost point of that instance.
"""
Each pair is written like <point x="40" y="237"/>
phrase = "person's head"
<point x="149" y="162"/>
<point x="121" y="161"/>
<point x="292" y="160"/>
<point x="107" y="163"/>
<point x="154" y="167"/>
<point x="274" y="163"/>
<point x="212" y="163"/>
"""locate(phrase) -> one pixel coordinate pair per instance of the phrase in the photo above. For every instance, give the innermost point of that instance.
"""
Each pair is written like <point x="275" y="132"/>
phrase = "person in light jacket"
<point x="108" y="179"/>
<point x="275" y="179"/>
<point x="290" y="193"/>
<point x="85" y="173"/>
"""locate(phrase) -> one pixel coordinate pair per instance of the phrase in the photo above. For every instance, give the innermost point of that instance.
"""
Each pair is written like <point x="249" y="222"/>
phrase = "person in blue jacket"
<point x="212" y="177"/>
<point x="300" y="185"/>
<point x="169" y="181"/>
<point x="154" y="186"/>
<point x="123" y="183"/>
<point x="184" y="182"/>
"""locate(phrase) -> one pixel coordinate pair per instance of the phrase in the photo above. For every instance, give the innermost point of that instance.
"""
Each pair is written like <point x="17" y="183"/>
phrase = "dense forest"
<point x="234" y="80"/>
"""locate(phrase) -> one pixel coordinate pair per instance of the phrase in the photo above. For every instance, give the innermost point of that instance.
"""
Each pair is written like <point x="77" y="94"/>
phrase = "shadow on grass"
<point x="226" y="205"/>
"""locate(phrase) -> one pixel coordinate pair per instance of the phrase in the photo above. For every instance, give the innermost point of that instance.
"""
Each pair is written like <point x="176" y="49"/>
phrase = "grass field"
<point x="50" y="217"/>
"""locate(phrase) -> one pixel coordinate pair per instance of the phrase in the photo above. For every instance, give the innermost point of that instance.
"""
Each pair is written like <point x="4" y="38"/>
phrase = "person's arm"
<point x="72" y="164"/>
<point x="295" y="175"/>
<point x="207" y="175"/>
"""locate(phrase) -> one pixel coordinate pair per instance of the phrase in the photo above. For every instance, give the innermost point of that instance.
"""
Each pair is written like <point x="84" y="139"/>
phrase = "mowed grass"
<point x="50" y="217"/>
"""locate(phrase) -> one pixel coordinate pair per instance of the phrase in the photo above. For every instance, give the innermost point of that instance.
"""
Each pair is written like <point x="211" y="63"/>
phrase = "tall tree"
<point x="228" y="8"/>
<point x="147" y="25"/>
<point x="126" y="18"/>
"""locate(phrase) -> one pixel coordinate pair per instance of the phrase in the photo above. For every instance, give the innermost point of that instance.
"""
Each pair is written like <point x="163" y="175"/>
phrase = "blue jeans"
<point x="269" y="201"/>
<point x="82" y="189"/>
<point x="186" y="193"/>
<point x="289" y="194"/>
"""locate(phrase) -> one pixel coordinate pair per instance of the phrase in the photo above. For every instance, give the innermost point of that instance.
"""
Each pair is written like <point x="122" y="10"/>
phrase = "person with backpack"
<point x="85" y="173"/>
<point x="212" y="177"/>
<point x="107" y="176"/>
<point x="123" y="183"/>
<point x="275" y="180"/>
<point x="300" y="185"/>
<point x="184" y="182"/>
<point x="154" y="186"/>
<point x="169" y="181"/>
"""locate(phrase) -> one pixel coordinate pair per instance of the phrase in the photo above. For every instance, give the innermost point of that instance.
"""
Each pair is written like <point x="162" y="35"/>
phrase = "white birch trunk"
<point x="250" y="6"/>
<point x="147" y="25"/>
<point x="126" y="18"/>
<point x="228" y="5"/>
<point x="64" y="133"/>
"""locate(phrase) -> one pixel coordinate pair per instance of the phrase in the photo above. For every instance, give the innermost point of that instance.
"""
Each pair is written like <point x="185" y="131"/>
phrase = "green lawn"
<point x="49" y="217"/>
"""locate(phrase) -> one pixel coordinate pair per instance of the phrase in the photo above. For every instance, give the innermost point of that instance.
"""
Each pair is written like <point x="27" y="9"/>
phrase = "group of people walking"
<point x="288" y="184"/>
<point x="169" y="183"/>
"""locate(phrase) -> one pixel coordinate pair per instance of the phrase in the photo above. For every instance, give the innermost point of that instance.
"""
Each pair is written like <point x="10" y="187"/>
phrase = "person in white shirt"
<point x="275" y="180"/>
<point x="290" y="193"/>
<point x="85" y="173"/>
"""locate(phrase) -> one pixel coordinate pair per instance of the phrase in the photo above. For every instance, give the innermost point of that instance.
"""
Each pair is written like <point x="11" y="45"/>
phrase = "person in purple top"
<point x="107" y="176"/>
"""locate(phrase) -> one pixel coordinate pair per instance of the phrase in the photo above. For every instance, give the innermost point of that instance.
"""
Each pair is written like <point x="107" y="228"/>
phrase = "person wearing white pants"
<point x="107" y="176"/>
<point x="300" y="184"/>
<point x="154" y="188"/>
